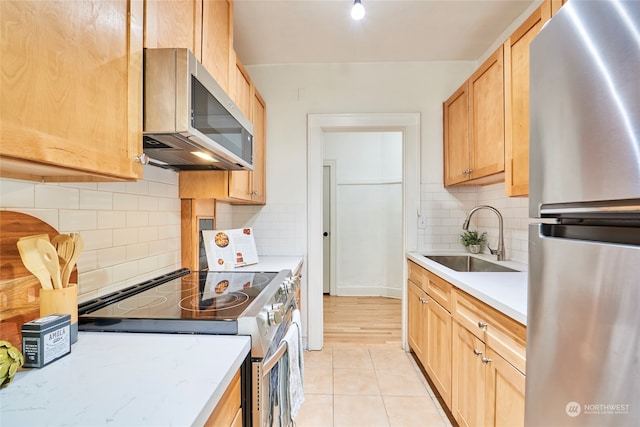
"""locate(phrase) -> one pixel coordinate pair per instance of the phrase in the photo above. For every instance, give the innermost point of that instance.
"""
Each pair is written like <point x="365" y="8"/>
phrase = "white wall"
<point x="368" y="211"/>
<point x="131" y="229"/>
<point x="292" y="91"/>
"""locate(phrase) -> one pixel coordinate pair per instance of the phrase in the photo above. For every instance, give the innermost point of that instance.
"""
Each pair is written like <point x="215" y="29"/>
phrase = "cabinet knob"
<point x="424" y="301"/>
<point x="477" y="352"/>
<point x="485" y="360"/>
<point x="482" y="325"/>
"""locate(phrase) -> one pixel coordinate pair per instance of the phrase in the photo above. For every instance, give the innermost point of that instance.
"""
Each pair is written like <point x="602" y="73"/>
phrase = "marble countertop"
<point x="506" y="292"/>
<point x="119" y="379"/>
<point x="275" y="263"/>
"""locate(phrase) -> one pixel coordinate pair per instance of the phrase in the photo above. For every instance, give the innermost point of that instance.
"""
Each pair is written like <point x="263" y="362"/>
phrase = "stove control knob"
<point x="275" y="313"/>
<point x="286" y="286"/>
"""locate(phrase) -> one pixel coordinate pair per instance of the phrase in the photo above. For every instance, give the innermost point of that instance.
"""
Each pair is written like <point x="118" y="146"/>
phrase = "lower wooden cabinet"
<point x="228" y="413"/>
<point x="468" y="378"/>
<point x="429" y="334"/>
<point x="415" y="310"/>
<point x="438" y="348"/>
<point x="473" y="354"/>
<point x="487" y="390"/>
<point x="504" y="388"/>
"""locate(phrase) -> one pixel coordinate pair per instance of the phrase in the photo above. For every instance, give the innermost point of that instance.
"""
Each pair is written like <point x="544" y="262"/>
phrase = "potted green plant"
<point x="473" y="240"/>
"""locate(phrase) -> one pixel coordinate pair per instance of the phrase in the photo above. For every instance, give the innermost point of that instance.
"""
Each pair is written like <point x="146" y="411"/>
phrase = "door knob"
<point x="325" y="234"/>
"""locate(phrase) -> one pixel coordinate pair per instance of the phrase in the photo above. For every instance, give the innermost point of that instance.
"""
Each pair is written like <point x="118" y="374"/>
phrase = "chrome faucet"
<point x="499" y="251"/>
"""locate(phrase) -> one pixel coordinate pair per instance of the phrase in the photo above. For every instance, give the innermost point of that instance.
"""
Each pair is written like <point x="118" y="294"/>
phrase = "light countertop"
<point x="506" y="292"/>
<point x="275" y="263"/>
<point x="119" y="379"/>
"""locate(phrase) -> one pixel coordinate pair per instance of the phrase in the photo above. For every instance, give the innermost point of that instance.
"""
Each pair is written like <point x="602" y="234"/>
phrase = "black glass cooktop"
<point x="182" y="295"/>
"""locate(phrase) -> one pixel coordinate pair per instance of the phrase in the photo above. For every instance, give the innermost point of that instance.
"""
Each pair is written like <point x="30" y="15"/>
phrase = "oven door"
<point x="265" y="406"/>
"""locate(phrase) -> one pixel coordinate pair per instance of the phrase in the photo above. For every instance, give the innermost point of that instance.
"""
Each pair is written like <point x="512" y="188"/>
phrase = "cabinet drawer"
<point x="439" y="289"/>
<point x="506" y="336"/>
<point x="418" y="275"/>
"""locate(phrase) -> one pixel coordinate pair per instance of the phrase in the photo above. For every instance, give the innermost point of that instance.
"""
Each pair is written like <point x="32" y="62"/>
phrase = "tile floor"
<point x="368" y="387"/>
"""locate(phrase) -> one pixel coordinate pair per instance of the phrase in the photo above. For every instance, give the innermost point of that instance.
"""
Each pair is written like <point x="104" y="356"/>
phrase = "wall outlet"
<point x="422" y="221"/>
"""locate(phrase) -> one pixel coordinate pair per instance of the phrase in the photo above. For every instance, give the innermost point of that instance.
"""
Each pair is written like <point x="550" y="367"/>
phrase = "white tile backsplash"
<point x="131" y="229"/>
<point x="279" y="229"/>
<point x="17" y="194"/>
<point x="446" y="210"/>
<point x="51" y="196"/>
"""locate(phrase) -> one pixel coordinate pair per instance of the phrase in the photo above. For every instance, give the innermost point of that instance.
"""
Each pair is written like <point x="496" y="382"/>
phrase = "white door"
<point x="326" y="227"/>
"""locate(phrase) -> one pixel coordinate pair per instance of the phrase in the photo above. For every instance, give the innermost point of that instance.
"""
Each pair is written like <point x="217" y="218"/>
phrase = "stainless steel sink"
<point x="469" y="264"/>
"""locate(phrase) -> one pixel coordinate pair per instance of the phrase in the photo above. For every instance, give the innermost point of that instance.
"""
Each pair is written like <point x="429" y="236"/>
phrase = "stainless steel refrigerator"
<point x="583" y="323"/>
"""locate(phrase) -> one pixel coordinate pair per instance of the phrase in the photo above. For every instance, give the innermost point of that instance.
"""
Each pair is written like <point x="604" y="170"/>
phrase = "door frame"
<point x="317" y="126"/>
<point x="332" y="165"/>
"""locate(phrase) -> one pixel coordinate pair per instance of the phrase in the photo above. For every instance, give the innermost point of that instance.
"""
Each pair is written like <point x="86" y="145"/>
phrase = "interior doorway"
<point x="318" y="126"/>
<point x="367" y="229"/>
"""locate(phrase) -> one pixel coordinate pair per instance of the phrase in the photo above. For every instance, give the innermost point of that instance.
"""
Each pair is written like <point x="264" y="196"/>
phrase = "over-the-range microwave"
<point x="190" y="123"/>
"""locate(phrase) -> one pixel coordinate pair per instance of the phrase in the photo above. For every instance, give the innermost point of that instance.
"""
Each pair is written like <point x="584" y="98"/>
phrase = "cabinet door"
<point x="241" y="89"/>
<point x="174" y="24"/>
<point x="468" y="387"/>
<point x="416" y="323"/>
<point x="486" y="104"/>
<point x="217" y="39"/>
<point x="71" y="89"/>
<point x="251" y="186"/>
<point x="516" y="102"/>
<point x="259" y="174"/>
<point x="225" y="413"/>
<point x="504" y="393"/>
<point x="456" y="136"/>
<point x="438" y="348"/>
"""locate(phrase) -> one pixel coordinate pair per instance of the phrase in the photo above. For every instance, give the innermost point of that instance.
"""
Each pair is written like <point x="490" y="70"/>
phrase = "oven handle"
<point x="270" y="363"/>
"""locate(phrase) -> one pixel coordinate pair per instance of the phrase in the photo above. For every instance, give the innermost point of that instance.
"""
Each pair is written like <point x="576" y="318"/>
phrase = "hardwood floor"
<point x="362" y="321"/>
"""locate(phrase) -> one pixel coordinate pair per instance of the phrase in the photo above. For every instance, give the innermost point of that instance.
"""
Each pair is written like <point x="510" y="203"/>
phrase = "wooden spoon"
<point x="78" y="247"/>
<point x="49" y="257"/>
<point x="64" y="245"/>
<point x="32" y="260"/>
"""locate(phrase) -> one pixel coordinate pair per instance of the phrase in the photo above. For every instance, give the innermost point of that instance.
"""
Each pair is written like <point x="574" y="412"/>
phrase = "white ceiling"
<point x="317" y="31"/>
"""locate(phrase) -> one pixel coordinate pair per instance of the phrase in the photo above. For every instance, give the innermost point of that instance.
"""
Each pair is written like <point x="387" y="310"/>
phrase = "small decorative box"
<point x="46" y="339"/>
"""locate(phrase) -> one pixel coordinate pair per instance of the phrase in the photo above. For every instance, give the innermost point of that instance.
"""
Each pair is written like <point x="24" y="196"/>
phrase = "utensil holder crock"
<point x="63" y="300"/>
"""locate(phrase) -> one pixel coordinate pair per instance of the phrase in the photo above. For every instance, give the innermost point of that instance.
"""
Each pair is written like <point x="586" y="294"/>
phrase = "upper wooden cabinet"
<point x="241" y="88"/>
<point x="474" y="136"/>
<point x="516" y="99"/>
<point x="486" y="106"/>
<point x="71" y="89"/>
<point x="486" y="121"/>
<point x="205" y="27"/>
<point x="251" y="187"/>
<point x="174" y="24"/>
<point x="217" y="39"/>
<point x="456" y="136"/>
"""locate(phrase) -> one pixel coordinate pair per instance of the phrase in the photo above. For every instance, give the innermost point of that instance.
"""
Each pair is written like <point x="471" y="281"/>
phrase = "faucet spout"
<point x="499" y="251"/>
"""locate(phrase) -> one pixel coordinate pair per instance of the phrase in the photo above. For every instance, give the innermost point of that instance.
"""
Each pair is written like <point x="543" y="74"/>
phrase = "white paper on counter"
<point x="227" y="249"/>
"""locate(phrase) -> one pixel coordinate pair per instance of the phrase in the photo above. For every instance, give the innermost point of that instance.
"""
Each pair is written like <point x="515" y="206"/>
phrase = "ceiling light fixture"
<point x="357" y="11"/>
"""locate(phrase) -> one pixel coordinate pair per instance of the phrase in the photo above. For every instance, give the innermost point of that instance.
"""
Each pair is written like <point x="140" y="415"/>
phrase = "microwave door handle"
<point x="270" y="363"/>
